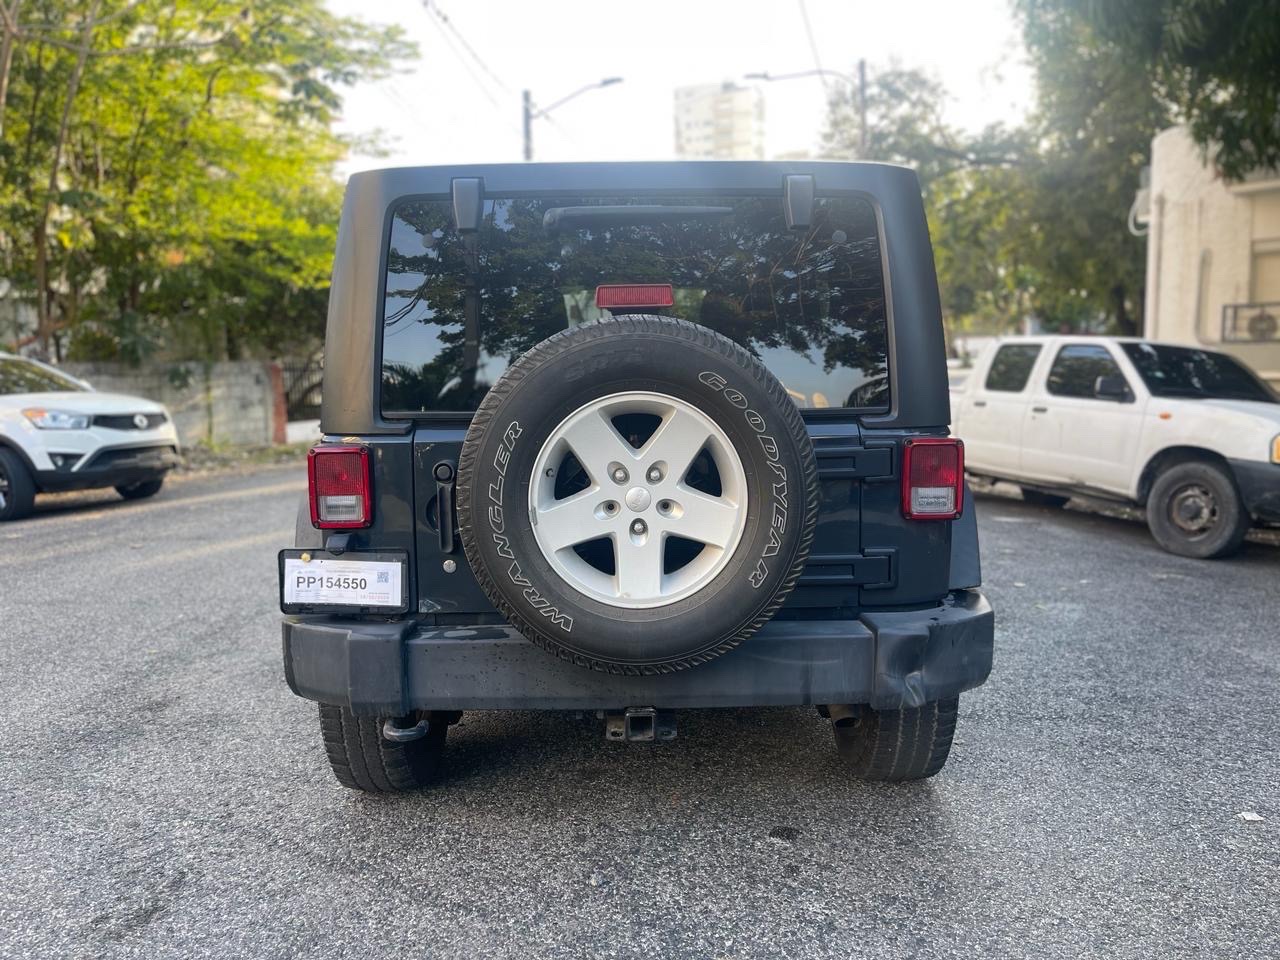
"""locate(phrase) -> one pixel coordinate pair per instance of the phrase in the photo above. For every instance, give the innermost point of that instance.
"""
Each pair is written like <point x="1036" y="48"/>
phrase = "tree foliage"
<point x="1214" y="63"/>
<point x="167" y="179"/>
<point x="1028" y="221"/>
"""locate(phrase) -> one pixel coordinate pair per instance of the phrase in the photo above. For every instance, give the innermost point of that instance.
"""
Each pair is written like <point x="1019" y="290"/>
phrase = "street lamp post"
<point x="860" y="85"/>
<point x="530" y="113"/>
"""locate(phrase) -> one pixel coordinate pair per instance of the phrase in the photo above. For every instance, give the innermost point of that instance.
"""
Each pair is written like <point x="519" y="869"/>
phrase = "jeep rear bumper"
<point x="889" y="659"/>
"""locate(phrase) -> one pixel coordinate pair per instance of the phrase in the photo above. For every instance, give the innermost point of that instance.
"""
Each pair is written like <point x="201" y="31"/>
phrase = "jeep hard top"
<point x="629" y="438"/>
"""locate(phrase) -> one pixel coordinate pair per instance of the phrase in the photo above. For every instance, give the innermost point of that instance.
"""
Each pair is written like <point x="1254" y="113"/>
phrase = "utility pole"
<point x="862" y="109"/>
<point x="527" y="100"/>
<point x="857" y="85"/>
<point x="531" y="114"/>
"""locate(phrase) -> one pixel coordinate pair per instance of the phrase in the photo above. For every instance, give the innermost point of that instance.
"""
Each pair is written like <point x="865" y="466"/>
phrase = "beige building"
<point x="719" y="121"/>
<point x="1213" y="255"/>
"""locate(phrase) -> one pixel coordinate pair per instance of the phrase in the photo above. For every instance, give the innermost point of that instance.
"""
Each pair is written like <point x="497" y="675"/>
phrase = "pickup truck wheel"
<point x="141" y="489"/>
<point x="362" y="759"/>
<point x="1194" y="510"/>
<point x="17" y="489"/>
<point x="894" y="745"/>
<point x="1042" y="499"/>
<point x="637" y="496"/>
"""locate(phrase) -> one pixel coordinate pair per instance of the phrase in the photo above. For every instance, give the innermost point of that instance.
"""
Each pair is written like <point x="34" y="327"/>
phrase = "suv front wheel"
<point x="1194" y="510"/>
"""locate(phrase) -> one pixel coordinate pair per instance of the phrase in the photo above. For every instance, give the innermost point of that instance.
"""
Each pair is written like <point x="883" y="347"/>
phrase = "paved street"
<point x="164" y="795"/>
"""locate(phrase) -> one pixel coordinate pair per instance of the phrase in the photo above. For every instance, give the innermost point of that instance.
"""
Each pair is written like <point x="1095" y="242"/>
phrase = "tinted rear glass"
<point x="460" y="307"/>
<point x="1184" y="372"/>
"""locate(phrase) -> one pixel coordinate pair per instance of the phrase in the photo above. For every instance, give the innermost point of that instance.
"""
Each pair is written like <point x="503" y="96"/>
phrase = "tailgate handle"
<point x="854" y="462"/>
<point x="444" y="473"/>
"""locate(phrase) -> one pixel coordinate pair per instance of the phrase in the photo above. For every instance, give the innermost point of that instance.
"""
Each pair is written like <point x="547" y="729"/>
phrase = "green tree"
<point x="1213" y="63"/>
<point x="906" y="123"/>
<point x="1097" y="112"/>
<point x="1032" y="220"/>
<point x="168" y="168"/>
<point x="976" y="190"/>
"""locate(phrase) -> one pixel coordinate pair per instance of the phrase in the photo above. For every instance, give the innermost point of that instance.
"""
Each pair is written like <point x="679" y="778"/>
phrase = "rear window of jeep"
<point x="459" y="307"/>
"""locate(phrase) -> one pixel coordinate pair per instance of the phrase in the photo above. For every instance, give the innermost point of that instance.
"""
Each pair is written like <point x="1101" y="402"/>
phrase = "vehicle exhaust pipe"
<point x="843" y="714"/>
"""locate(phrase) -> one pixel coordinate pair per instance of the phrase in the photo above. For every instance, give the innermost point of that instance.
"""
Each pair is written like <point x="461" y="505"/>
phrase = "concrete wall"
<point x="1201" y="249"/>
<point x="233" y="403"/>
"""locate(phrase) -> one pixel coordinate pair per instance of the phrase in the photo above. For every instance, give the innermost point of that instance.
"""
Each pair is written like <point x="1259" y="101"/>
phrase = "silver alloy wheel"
<point x="637" y="499"/>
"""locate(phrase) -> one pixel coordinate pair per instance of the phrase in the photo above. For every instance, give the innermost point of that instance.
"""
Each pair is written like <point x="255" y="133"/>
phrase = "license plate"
<point x="317" y="581"/>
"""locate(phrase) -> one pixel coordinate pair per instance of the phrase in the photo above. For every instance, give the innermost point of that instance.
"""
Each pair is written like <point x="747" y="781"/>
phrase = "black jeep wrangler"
<point x="628" y="438"/>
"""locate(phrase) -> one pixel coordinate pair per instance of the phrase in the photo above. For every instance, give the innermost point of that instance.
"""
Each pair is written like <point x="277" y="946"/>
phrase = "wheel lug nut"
<point x="620" y="475"/>
<point x="638" y="527"/>
<point x="654" y="474"/>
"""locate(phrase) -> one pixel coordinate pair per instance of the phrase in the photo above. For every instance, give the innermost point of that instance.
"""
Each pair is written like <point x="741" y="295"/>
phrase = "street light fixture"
<point x="530" y="114"/>
<point x="859" y="85"/>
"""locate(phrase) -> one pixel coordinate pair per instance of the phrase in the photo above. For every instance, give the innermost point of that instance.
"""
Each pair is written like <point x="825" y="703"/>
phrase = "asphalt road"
<point x="162" y="794"/>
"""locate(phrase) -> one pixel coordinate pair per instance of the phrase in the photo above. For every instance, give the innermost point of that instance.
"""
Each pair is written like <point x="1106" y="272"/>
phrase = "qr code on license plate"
<point x="384" y="576"/>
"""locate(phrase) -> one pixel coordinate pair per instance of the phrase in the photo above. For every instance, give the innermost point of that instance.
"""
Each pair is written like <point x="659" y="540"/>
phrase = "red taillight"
<point x="932" y="478"/>
<point x="610" y="296"/>
<point x="339" y="487"/>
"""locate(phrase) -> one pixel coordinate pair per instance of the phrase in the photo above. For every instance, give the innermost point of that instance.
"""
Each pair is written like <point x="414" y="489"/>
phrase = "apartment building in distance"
<point x="719" y="121"/>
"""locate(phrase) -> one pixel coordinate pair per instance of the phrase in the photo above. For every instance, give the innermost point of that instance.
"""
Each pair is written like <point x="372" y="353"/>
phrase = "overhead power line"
<point x="813" y="45"/>
<point x="443" y="18"/>
<point x="471" y="72"/>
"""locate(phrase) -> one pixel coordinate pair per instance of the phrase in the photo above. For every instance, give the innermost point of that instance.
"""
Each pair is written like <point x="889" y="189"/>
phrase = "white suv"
<point x="57" y="433"/>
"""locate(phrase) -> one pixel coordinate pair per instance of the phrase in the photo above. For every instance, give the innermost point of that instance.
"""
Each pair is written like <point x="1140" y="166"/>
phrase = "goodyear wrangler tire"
<point x="638" y="495"/>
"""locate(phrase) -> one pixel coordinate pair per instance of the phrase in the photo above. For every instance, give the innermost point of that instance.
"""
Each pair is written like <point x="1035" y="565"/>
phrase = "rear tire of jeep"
<point x="362" y="759"/>
<point x="1042" y="499"/>
<point x="895" y="745"/>
<point x="637" y="496"/>
<point x="141" y="490"/>
<point x="1194" y="510"/>
<point x="17" y="489"/>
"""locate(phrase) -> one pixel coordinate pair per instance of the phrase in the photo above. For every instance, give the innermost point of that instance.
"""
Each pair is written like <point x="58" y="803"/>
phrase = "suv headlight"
<point x="56" y="419"/>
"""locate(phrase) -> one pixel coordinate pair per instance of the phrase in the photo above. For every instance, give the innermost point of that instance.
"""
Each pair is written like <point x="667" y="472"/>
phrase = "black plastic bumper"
<point x="112" y="467"/>
<point x="1259" y="485"/>
<point x="887" y="659"/>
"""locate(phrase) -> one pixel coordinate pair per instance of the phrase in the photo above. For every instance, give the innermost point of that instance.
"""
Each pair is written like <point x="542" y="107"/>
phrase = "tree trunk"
<point x="10" y="40"/>
<point x="1124" y="323"/>
<point x="44" y="300"/>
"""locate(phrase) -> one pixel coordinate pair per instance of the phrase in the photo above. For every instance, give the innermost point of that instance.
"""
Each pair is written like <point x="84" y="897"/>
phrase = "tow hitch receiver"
<point x="640" y="725"/>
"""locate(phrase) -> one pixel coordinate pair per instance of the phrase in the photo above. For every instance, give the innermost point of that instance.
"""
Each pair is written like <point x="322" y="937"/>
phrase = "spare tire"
<point x="637" y="495"/>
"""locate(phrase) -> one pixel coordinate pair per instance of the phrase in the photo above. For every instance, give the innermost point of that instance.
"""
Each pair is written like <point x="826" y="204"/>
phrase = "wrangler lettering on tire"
<point x="645" y="518"/>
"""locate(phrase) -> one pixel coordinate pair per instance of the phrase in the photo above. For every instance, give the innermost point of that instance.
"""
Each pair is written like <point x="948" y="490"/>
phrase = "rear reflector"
<point x="613" y="295"/>
<point x="932" y="478"/>
<point x="339" y="488"/>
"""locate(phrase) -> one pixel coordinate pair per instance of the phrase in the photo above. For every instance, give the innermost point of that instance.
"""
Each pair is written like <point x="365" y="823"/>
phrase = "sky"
<point x="446" y="108"/>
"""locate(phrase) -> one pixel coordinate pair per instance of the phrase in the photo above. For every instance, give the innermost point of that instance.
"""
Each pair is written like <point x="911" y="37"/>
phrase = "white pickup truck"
<point x="1190" y="434"/>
